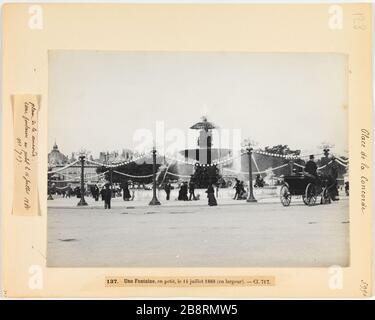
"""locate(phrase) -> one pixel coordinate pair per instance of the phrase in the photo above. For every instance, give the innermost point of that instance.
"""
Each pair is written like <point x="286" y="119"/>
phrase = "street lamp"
<point x="82" y="201"/>
<point x="111" y="181"/>
<point x="154" y="201"/>
<point x="326" y="152"/>
<point x="250" y="197"/>
<point x="326" y="147"/>
<point x="49" y="183"/>
<point x="49" y="187"/>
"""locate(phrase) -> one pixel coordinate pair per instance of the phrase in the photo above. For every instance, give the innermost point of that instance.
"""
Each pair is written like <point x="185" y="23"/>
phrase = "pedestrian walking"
<point x="237" y="188"/>
<point x="125" y="192"/>
<point x="211" y="195"/>
<point x="167" y="189"/>
<point x="182" y="194"/>
<point x="107" y="196"/>
<point x="96" y="193"/>
<point x="192" y="190"/>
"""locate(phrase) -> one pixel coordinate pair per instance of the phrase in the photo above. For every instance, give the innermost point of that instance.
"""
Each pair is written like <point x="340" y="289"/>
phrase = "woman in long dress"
<point x="211" y="195"/>
<point x="126" y="193"/>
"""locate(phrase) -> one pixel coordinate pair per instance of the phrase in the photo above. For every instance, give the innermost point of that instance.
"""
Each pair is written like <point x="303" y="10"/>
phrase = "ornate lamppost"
<point x="250" y="197"/>
<point x="49" y="186"/>
<point x="82" y="201"/>
<point x="111" y="181"/>
<point x="326" y="147"/>
<point x="154" y="201"/>
<point x="326" y="152"/>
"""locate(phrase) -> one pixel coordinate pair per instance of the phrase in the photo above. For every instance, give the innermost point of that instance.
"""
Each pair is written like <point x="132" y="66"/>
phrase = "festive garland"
<point x="258" y="172"/>
<point x="64" y="168"/>
<point x="117" y="164"/>
<point x="132" y="176"/>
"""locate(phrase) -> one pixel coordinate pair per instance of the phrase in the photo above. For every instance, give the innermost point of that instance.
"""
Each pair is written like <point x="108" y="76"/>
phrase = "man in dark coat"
<point x="191" y="190"/>
<point x="237" y="187"/>
<point x="311" y="166"/>
<point x="77" y="191"/>
<point x="96" y="193"/>
<point x="167" y="189"/>
<point x="107" y="196"/>
<point x="69" y="191"/>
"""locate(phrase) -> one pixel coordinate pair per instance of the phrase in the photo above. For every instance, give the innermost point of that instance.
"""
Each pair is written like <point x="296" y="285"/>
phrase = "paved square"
<point x="191" y="234"/>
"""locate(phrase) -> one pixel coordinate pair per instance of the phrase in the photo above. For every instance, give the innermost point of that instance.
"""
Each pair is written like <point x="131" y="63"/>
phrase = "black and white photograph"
<point x="197" y="159"/>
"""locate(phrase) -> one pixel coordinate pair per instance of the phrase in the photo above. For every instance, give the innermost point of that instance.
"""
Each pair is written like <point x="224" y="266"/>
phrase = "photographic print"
<point x="212" y="159"/>
<point x="190" y="150"/>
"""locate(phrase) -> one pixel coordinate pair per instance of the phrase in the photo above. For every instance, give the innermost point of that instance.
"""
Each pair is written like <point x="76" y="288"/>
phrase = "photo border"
<point x="179" y="27"/>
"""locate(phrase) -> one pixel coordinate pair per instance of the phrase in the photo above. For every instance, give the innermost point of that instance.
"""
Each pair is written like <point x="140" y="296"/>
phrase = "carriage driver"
<point x="311" y="166"/>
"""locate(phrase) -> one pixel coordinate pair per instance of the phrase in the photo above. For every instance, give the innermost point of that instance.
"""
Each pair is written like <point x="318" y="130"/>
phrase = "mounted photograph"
<point x="197" y="159"/>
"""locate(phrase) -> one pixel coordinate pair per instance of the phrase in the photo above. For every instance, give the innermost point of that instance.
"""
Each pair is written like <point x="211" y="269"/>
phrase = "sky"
<point x="104" y="101"/>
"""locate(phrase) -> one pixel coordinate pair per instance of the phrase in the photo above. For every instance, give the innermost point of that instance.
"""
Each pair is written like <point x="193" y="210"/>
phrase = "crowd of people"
<point x="241" y="193"/>
<point x="187" y="189"/>
<point x="186" y="192"/>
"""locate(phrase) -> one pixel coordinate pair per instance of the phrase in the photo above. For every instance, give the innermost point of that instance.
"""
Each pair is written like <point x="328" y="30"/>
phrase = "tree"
<point x="282" y="149"/>
<point x="132" y="169"/>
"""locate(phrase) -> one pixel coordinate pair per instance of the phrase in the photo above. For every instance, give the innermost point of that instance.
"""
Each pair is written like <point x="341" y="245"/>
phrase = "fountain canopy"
<point x="204" y="125"/>
<point x="205" y="153"/>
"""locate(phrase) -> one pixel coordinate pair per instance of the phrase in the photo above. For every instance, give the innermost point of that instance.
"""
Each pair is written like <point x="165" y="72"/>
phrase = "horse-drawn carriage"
<point x="308" y="186"/>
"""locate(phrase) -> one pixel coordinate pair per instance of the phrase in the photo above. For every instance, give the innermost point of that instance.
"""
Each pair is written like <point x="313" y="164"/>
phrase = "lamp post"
<point x="82" y="201"/>
<point x="49" y="186"/>
<point x="250" y="197"/>
<point x="154" y="201"/>
<point x="326" y="148"/>
<point x="111" y="181"/>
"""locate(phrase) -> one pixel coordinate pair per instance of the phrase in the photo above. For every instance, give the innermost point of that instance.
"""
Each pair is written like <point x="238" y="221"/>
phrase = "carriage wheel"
<point x="326" y="198"/>
<point x="304" y="200"/>
<point x="310" y="195"/>
<point x="285" y="196"/>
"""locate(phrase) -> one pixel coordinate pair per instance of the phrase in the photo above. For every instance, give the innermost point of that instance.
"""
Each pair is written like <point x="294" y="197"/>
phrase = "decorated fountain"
<point x="205" y="151"/>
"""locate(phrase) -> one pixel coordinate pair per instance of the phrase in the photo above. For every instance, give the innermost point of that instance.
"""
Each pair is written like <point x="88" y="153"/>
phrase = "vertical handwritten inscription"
<point x="25" y="117"/>
<point x="365" y="169"/>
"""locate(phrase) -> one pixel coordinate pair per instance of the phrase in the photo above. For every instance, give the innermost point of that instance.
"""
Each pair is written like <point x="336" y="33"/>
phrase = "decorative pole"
<point x="82" y="201"/>
<point x="111" y="181"/>
<point x="49" y="191"/>
<point x="250" y="197"/>
<point x="154" y="200"/>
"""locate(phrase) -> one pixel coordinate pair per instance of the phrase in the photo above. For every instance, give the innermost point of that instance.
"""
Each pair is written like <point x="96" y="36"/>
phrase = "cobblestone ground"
<point x="191" y="234"/>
